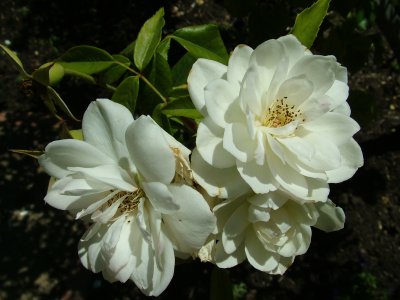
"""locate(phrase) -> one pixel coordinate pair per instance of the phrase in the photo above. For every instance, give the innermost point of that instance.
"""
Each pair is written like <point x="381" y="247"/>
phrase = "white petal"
<point x="331" y="217"/>
<point x="234" y="229"/>
<point x="318" y="190"/>
<point x="111" y="239"/>
<point x="150" y="151"/>
<point x="296" y="90"/>
<point x="285" y="130"/>
<point x="238" y="142"/>
<point x="91" y="232"/>
<point x="320" y="70"/>
<point x="209" y="145"/>
<point x="338" y="92"/>
<point x="303" y="168"/>
<point x="219" y="95"/>
<point x="284" y="264"/>
<point x="125" y="272"/>
<point x="190" y="226"/>
<point x="253" y="89"/>
<point x="287" y="177"/>
<point x="275" y="147"/>
<point x="57" y="199"/>
<point x="259" y="152"/>
<point x="225" y="209"/>
<point x="297" y="244"/>
<point x="89" y="251"/>
<point x="160" y="197"/>
<point x="343" y="109"/>
<point x="111" y="175"/>
<point x="272" y="200"/>
<point x="222" y="183"/>
<point x="258" y="256"/>
<point x="280" y="74"/>
<point x="151" y="279"/>
<point x="352" y="159"/>
<point x="298" y="147"/>
<point x="293" y="48"/>
<point x="142" y="220"/>
<point x="173" y="143"/>
<point x="203" y="72"/>
<point x="76" y="186"/>
<point x="338" y="127"/>
<point x="327" y="155"/>
<point x="281" y="219"/>
<point x="238" y="63"/>
<point x="104" y="125"/>
<point x="224" y="260"/>
<point x="157" y="239"/>
<point x="104" y="216"/>
<point x="258" y="214"/>
<point x="268" y="54"/>
<point x="259" y="178"/>
<point x="96" y="205"/>
<point x="60" y="155"/>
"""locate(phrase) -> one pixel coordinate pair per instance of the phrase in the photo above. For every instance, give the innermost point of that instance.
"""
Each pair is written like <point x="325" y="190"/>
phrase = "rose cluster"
<point x="276" y="131"/>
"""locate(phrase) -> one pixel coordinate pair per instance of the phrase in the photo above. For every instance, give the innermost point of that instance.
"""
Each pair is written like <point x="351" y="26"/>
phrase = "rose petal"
<point x="150" y="151"/>
<point x="219" y="95"/>
<point x="60" y="155"/>
<point x="203" y="71"/>
<point x="238" y="63"/>
<point x="189" y="226"/>
<point x="104" y="125"/>
<point x="209" y="144"/>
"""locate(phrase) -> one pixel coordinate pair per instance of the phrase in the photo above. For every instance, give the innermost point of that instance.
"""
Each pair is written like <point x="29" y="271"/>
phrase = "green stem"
<point x="141" y="76"/>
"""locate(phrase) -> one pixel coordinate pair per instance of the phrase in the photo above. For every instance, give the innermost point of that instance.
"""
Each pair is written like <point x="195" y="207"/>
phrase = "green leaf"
<point x="127" y="92"/>
<point x="160" y="118"/>
<point x="115" y="72"/>
<point x="15" y="60"/>
<point x="49" y="74"/>
<point x="202" y="41"/>
<point x="181" y="69"/>
<point x="86" y="59"/>
<point x="57" y="100"/>
<point x="160" y="75"/>
<point x="182" y="107"/>
<point x="148" y="39"/>
<point x="76" y="134"/>
<point x="31" y="153"/>
<point x="179" y="91"/>
<point x="307" y="23"/>
<point x="163" y="48"/>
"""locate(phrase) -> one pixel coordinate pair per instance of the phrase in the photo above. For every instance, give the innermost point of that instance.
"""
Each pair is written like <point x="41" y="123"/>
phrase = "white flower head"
<point x="278" y="116"/>
<point x="132" y="180"/>
<point x="269" y="230"/>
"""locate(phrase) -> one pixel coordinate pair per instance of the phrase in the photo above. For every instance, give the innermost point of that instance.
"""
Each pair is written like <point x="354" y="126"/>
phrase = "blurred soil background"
<point x="38" y="244"/>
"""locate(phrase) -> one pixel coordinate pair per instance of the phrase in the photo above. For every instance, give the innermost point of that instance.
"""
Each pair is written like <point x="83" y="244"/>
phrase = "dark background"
<point x="38" y="244"/>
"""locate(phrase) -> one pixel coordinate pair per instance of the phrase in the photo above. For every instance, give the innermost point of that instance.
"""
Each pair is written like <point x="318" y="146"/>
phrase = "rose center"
<point x="129" y="201"/>
<point x="280" y="113"/>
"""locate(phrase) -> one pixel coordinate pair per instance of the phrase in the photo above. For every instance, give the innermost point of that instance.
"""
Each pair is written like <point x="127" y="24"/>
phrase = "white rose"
<point x="269" y="230"/>
<point x="278" y="115"/>
<point x="133" y="181"/>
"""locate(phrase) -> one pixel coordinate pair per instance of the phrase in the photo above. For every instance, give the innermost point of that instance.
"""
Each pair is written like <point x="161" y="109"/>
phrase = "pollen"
<point x="280" y="114"/>
<point x="129" y="203"/>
